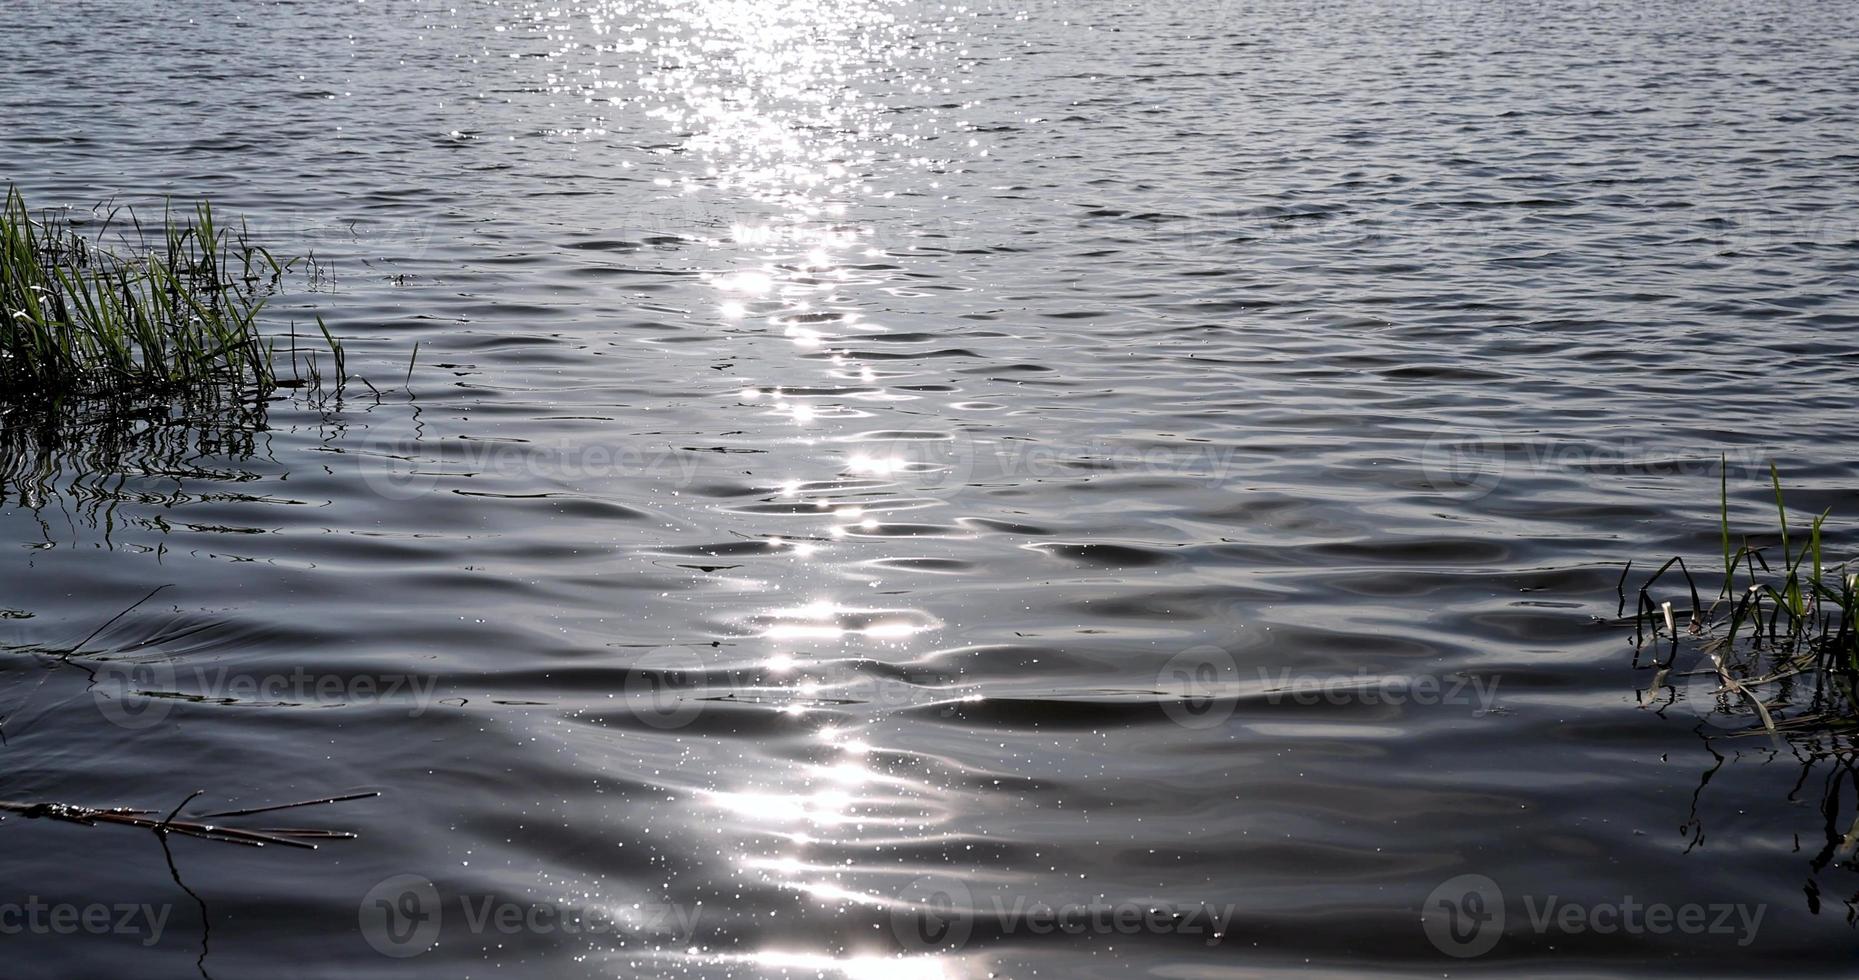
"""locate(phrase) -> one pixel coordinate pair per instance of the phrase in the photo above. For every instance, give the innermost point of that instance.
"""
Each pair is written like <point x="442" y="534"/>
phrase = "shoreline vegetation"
<point x="1779" y="641"/>
<point x="143" y="346"/>
<point x="172" y="313"/>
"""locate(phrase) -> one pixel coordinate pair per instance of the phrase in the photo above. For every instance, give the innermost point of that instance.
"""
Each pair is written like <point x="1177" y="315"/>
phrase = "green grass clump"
<point x="177" y="312"/>
<point x="1780" y="638"/>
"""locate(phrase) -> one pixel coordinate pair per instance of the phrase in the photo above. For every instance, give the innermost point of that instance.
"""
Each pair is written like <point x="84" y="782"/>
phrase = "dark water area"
<point x="879" y="478"/>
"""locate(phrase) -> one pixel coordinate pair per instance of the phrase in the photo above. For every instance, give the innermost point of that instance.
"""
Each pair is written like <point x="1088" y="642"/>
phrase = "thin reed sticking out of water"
<point x="177" y="314"/>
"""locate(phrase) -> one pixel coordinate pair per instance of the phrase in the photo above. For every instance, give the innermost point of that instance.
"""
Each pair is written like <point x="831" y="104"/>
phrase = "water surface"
<point x="868" y="457"/>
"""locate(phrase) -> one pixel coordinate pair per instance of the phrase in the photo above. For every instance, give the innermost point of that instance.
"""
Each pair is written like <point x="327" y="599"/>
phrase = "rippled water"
<point x="869" y="461"/>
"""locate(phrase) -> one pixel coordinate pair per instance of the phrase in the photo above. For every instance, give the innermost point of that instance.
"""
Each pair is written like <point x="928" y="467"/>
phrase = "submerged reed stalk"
<point x="177" y="314"/>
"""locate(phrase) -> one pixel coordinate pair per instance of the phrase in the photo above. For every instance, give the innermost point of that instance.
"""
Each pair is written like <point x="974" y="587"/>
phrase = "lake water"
<point x="919" y="490"/>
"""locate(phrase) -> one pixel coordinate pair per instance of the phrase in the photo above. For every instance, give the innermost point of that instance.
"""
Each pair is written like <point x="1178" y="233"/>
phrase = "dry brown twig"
<point x="196" y="826"/>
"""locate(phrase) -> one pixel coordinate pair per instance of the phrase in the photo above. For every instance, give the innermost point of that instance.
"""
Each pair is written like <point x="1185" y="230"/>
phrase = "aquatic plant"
<point x="1786" y="626"/>
<point x="176" y="313"/>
